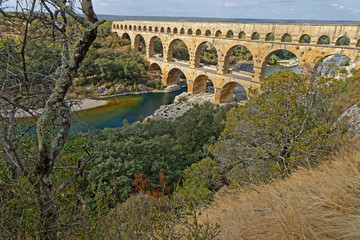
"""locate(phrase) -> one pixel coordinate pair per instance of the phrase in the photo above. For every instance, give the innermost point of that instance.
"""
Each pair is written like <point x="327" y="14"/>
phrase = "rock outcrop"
<point x="352" y="118"/>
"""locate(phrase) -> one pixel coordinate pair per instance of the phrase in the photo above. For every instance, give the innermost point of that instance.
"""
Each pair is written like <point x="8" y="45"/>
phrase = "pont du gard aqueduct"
<point x="226" y="37"/>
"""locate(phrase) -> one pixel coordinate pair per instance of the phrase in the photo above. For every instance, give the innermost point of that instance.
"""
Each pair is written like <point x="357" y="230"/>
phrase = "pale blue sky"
<point x="256" y="9"/>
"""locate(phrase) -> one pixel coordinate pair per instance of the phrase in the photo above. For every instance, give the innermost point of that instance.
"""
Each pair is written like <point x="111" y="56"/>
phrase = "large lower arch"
<point x="173" y="77"/>
<point x="226" y="94"/>
<point x="155" y="47"/>
<point x="154" y="67"/>
<point x="205" y="50"/>
<point x="126" y="36"/>
<point x="139" y="44"/>
<point x="199" y="84"/>
<point x="178" y="50"/>
<point x="238" y="53"/>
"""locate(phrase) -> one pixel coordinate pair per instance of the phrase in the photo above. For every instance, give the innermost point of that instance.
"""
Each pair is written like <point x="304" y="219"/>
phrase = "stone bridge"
<point x="261" y="39"/>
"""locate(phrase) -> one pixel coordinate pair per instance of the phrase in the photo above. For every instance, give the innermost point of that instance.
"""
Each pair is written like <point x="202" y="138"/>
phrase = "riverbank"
<point x="183" y="103"/>
<point x="289" y="62"/>
<point x="76" y="105"/>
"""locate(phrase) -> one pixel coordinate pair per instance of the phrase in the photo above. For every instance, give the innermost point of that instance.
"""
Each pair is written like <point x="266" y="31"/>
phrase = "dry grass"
<point x="322" y="203"/>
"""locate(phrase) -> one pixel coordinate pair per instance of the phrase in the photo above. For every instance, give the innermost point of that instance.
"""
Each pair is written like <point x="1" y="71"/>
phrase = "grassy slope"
<point x="322" y="203"/>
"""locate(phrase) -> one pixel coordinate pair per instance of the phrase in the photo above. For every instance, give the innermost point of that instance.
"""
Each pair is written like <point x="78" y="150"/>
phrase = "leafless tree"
<point x="29" y="81"/>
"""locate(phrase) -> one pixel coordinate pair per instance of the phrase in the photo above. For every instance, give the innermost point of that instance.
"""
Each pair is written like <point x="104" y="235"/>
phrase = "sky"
<point x="348" y="10"/>
<point x="254" y="9"/>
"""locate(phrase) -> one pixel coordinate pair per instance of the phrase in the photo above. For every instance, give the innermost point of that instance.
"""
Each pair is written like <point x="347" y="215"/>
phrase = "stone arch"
<point x="198" y="51"/>
<point x="229" y="53"/>
<point x="255" y="36"/>
<point x="155" y="47"/>
<point x="343" y="41"/>
<point x="175" y="30"/>
<point x="168" y="30"/>
<point x="208" y="33"/>
<point x="324" y="39"/>
<point x="139" y="41"/>
<point x="274" y="52"/>
<point x="189" y="32"/>
<point x="337" y="59"/>
<point x="226" y="93"/>
<point x="182" y="31"/>
<point x="135" y="28"/>
<point x="242" y="35"/>
<point x="199" y="84"/>
<point x="144" y="28"/>
<point x="150" y="29"/>
<point x="171" y="50"/>
<point x="162" y="29"/>
<point x="156" y="29"/>
<point x="305" y="38"/>
<point x="139" y="28"/>
<point x="218" y="33"/>
<point x="130" y="27"/>
<point x="154" y="67"/>
<point x="240" y="93"/>
<point x="270" y="37"/>
<point x="126" y="27"/>
<point x="126" y="36"/>
<point x="173" y="77"/>
<point x="286" y="38"/>
<point x="121" y="27"/>
<point x="198" y="32"/>
<point x="230" y="34"/>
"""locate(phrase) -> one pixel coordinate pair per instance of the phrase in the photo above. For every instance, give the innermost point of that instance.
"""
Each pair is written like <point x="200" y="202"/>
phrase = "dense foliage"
<point x="290" y="125"/>
<point x="148" y="148"/>
<point x="112" y="60"/>
<point x="108" y="65"/>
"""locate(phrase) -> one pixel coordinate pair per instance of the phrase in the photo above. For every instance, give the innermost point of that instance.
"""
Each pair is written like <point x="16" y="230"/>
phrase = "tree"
<point x="289" y="125"/>
<point x="54" y="27"/>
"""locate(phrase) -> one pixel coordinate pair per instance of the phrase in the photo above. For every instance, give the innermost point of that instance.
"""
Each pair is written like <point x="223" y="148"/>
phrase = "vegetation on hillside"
<point x="149" y="180"/>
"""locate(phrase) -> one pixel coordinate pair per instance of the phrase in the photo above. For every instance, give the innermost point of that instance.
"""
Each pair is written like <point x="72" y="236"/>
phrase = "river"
<point x="130" y="107"/>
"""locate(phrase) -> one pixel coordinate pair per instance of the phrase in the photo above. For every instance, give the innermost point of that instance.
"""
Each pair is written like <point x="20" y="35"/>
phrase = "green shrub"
<point x="345" y="63"/>
<point x="343" y="70"/>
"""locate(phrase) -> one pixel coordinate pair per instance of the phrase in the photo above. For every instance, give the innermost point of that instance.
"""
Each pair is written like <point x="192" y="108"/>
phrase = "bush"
<point x="343" y="70"/>
<point x="289" y="125"/>
<point x="345" y="63"/>
<point x="273" y="60"/>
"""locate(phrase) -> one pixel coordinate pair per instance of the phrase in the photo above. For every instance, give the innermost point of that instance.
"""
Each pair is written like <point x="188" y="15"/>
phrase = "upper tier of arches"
<point x="307" y="36"/>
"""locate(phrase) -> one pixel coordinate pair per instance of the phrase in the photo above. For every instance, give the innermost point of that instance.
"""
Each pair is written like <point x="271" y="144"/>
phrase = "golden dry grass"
<point x="322" y="203"/>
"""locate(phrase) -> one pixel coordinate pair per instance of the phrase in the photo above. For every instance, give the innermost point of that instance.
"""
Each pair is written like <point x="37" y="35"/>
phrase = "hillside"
<point x="320" y="203"/>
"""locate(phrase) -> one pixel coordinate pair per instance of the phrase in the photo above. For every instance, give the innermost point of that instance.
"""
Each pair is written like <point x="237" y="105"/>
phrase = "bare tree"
<point x="31" y="79"/>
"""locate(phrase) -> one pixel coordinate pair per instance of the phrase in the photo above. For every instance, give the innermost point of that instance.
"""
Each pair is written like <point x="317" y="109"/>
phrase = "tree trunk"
<point x="48" y="211"/>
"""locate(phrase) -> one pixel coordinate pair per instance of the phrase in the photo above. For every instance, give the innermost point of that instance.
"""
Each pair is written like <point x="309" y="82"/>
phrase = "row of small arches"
<point x="342" y="41"/>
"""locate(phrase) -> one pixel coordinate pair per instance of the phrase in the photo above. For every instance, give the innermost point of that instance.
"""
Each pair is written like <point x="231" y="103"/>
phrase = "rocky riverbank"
<point x="183" y="103"/>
